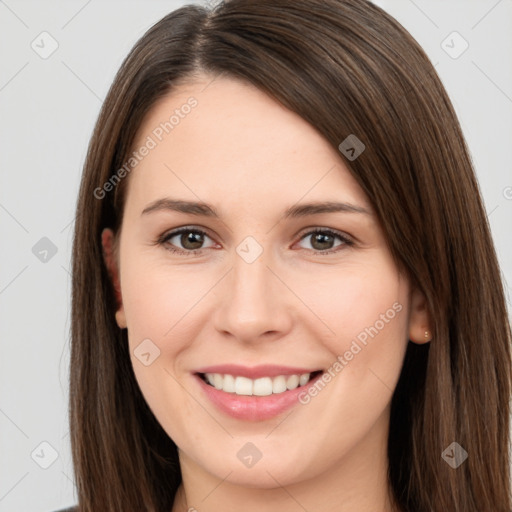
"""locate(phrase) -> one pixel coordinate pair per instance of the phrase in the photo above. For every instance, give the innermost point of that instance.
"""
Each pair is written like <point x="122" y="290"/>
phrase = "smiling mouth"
<point x="263" y="386"/>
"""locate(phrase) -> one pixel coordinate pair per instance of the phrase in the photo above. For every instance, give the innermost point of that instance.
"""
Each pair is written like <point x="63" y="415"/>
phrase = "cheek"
<point x="159" y="306"/>
<point x="158" y="301"/>
<point x="359" y="302"/>
<point x="367" y="308"/>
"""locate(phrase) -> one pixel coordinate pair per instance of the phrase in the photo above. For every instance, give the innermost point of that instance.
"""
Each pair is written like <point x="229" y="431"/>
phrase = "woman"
<point x="285" y="292"/>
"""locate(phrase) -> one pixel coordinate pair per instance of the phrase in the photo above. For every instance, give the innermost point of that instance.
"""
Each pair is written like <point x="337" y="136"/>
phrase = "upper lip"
<point x="255" y="372"/>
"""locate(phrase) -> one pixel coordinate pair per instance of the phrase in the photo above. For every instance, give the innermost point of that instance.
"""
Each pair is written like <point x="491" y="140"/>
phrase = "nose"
<point x="255" y="303"/>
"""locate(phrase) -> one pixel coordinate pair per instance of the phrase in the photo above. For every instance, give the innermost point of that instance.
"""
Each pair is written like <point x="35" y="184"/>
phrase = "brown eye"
<point x="324" y="241"/>
<point x="191" y="240"/>
<point x="185" y="241"/>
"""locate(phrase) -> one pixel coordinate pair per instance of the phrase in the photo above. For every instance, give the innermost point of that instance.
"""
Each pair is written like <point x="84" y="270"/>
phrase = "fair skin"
<point x="251" y="159"/>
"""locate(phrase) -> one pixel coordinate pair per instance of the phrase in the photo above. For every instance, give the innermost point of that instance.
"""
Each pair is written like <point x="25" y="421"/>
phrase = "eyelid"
<point x="346" y="239"/>
<point x="321" y="229"/>
<point x="167" y="235"/>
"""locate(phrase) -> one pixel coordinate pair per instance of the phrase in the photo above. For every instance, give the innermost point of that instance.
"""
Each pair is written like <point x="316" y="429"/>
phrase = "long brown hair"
<point x="346" y="67"/>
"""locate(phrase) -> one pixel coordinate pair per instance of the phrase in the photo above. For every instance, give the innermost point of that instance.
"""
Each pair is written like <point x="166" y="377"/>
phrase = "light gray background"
<point x="48" y="108"/>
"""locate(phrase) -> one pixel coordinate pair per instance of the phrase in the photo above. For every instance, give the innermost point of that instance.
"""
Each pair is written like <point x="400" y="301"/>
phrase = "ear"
<point x="420" y="328"/>
<point x="107" y="241"/>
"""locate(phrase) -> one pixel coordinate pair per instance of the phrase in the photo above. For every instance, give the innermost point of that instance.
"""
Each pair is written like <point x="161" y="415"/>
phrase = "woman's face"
<point x="267" y="295"/>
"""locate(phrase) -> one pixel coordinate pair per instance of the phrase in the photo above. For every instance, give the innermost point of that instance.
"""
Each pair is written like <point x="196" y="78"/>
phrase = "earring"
<point x="427" y="335"/>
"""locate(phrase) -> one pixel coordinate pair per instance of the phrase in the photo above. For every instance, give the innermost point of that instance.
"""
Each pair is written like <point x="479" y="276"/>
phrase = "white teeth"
<point x="263" y="386"/>
<point x="243" y="386"/>
<point x="292" y="381"/>
<point x="217" y="380"/>
<point x="228" y="384"/>
<point x="304" y="378"/>
<point x="279" y="384"/>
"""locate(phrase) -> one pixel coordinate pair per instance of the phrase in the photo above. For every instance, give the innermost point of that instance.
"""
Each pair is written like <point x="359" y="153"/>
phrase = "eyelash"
<point x="167" y="236"/>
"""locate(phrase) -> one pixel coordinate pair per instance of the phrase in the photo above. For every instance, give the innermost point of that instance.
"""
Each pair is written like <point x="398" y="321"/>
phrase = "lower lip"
<point x="254" y="408"/>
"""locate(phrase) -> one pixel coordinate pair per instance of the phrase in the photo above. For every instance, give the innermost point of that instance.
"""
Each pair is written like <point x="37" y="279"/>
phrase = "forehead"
<point x="225" y="140"/>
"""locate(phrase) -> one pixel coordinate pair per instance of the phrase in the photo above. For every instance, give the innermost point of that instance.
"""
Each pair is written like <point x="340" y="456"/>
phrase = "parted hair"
<point x="347" y="68"/>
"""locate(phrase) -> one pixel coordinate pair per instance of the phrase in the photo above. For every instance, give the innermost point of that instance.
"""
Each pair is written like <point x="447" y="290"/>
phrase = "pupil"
<point x="192" y="238"/>
<point x="323" y="238"/>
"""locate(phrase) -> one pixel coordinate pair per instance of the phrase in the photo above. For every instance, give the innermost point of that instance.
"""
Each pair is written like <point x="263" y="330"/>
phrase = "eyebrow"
<point x="295" y="211"/>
